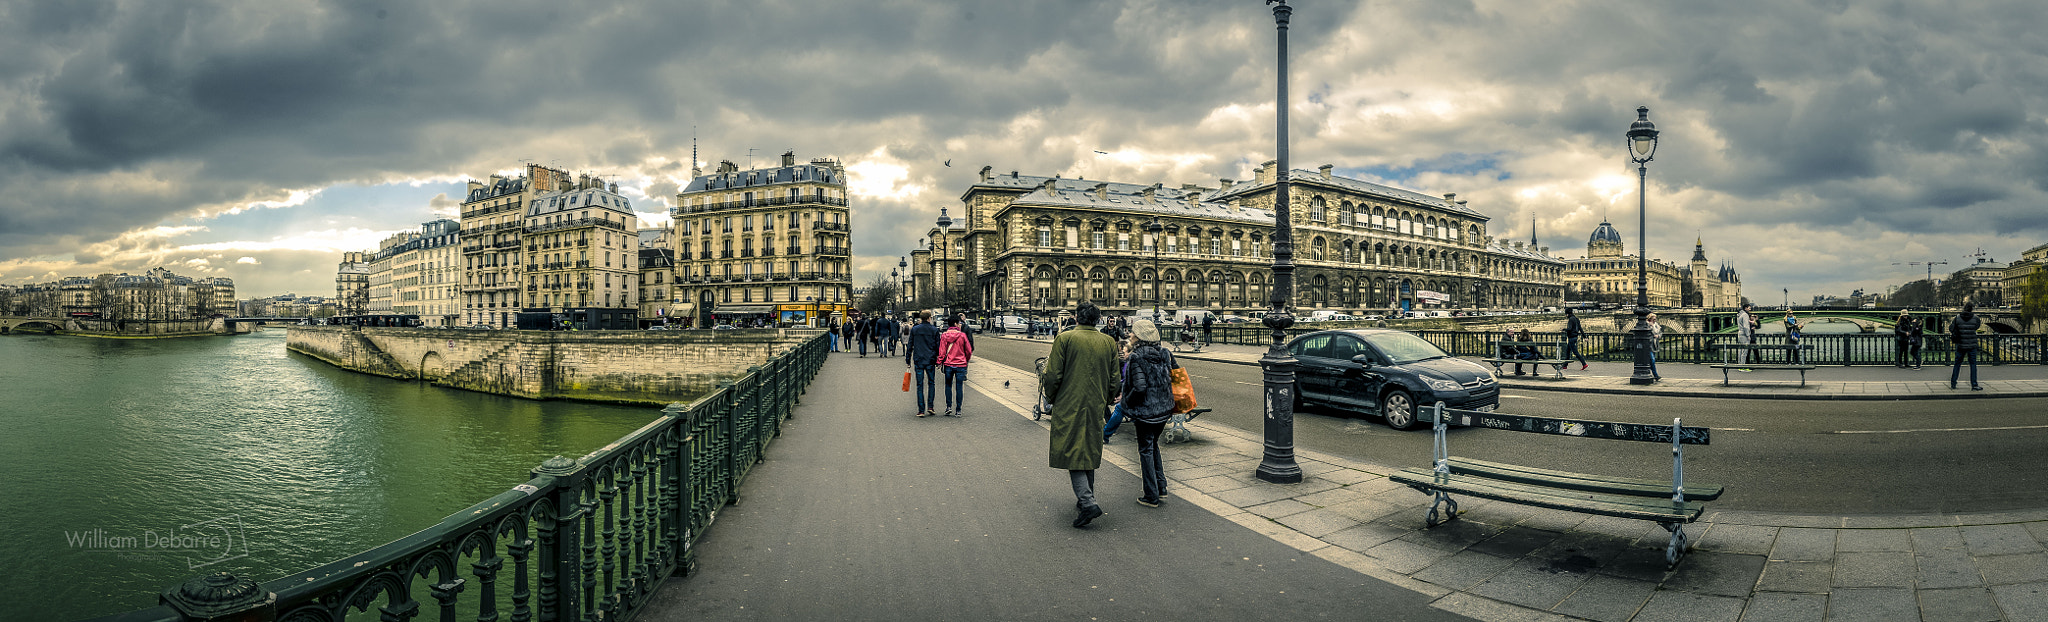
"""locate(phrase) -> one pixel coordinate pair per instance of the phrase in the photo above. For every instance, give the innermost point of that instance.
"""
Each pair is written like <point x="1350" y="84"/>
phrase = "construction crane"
<point x="1930" y="267"/>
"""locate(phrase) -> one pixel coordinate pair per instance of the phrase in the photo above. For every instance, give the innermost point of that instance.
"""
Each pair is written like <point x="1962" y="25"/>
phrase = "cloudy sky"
<point x="1812" y="143"/>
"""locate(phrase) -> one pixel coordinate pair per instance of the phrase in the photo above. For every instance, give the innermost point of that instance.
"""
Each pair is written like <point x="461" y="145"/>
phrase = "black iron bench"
<point x="1671" y="504"/>
<point x="1794" y="358"/>
<point x="1556" y="364"/>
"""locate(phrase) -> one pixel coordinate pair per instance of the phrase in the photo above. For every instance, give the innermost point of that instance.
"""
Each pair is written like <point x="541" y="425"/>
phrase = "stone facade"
<point x="493" y="225"/>
<point x="352" y="285"/>
<point x="582" y="249"/>
<point x="610" y="366"/>
<point x="2013" y="282"/>
<point x="1608" y="274"/>
<point x="764" y="243"/>
<point x="1037" y="244"/>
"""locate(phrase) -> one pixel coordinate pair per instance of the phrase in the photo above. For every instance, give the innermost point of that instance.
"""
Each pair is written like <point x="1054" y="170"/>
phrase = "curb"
<point x="1739" y="393"/>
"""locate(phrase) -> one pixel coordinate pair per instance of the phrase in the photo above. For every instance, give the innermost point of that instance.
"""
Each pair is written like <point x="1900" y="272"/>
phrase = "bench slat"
<point x="1582" y="502"/>
<point x="1580" y="481"/>
<point x="1764" y="366"/>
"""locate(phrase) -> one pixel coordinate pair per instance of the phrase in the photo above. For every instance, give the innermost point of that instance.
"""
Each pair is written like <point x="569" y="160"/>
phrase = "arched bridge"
<point x="8" y="323"/>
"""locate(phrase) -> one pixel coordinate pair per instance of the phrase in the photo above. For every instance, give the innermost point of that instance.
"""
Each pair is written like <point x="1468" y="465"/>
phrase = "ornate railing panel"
<point x="1828" y="348"/>
<point x="581" y="540"/>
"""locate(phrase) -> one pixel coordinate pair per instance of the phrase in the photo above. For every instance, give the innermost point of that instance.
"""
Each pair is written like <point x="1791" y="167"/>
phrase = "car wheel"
<point x="1398" y="409"/>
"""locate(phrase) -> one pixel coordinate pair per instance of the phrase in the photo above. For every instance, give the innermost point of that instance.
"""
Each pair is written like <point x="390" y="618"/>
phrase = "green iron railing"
<point x="587" y="539"/>
<point x="1827" y="348"/>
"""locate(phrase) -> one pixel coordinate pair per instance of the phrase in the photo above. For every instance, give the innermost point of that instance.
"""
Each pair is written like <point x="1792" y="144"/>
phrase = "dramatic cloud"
<point x="1812" y="143"/>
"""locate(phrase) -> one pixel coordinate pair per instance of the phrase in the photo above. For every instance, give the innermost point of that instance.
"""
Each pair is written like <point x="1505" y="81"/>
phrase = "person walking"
<point x="832" y="333"/>
<point x="1116" y="412"/>
<point x="1656" y="338"/>
<point x="1208" y="328"/>
<point x="1080" y="379"/>
<point x="893" y="334"/>
<point x="1917" y="338"/>
<point x="921" y="354"/>
<point x="863" y="332"/>
<point x="1573" y="331"/>
<point x="1902" y="335"/>
<point x="1792" y="328"/>
<point x="955" y="350"/>
<point x="1962" y="332"/>
<point x="1148" y="401"/>
<point x="1745" y="332"/>
<point x="846" y="333"/>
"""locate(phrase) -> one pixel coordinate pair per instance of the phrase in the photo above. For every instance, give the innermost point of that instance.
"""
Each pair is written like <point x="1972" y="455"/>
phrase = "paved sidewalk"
<point x="1693" y="380"/>
<point x="863" y="512"/>
<point x="1502" y="561"/>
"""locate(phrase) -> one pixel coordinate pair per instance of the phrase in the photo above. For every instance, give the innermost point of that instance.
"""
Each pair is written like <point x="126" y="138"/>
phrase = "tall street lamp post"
<point x="1278" y="466"/>
<point x="940" y="285"/>
<point x="1153" y="229"/>
<point x="1642" y="140"/>
<point x="903" y="263"/>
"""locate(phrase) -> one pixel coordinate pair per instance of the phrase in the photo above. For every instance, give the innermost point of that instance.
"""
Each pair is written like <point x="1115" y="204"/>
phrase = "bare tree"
<point x="881" y="296"/>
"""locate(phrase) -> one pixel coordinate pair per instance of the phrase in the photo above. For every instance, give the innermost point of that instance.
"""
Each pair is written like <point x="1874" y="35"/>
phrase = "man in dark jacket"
<point x="1148" y="401"/>
<point x="921" y="354"/>
<point x="1962" y="332"/>
<point x="1208" y="328"/>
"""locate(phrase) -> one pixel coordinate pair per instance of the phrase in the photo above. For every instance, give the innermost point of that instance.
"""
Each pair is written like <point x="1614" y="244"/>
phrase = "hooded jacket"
<point x="1148" y="384"/>
<point x="954" y="347"/>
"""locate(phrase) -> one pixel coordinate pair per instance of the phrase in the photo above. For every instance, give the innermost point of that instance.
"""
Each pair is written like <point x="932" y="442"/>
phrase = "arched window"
<point x="1317" y="209"/>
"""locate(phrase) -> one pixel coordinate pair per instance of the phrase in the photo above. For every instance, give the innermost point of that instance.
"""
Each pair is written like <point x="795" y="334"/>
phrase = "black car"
<point x="1388" y="373"/>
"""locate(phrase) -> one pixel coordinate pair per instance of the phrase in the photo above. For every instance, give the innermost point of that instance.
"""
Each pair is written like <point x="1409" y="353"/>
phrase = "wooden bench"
<point x="1671" y="504"/>
<point x="1793" y="359"/>
<point x="1556" y="364"/>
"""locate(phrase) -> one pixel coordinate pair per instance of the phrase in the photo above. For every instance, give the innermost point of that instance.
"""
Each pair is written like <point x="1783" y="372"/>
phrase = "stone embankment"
<point x="610" y="366"/>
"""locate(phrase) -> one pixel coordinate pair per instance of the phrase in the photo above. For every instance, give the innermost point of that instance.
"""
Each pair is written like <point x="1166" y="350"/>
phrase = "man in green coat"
<point x="1080" y="379"/>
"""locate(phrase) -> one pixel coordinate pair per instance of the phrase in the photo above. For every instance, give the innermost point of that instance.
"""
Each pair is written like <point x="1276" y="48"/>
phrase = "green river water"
<point x="112" y="446"/>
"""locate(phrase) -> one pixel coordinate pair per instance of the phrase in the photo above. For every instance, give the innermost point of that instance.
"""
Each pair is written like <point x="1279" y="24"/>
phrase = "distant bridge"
<point x="1869" y="320"/>
<point x="9" y="322"/>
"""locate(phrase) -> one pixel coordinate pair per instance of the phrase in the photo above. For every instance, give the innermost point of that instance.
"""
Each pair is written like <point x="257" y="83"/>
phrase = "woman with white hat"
<point x="1148" y="401"/>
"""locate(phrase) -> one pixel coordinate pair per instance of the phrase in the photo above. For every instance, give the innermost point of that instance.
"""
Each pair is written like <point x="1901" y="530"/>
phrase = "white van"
<point x="1012" y="323"/>
<point x="1181" y="317"/>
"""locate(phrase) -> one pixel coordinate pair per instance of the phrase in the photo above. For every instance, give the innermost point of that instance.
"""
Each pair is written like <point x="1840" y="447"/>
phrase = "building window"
<point x="1096" y="240"/>
<point x="1123" y="241"/>
<point x="1045" y="236"/>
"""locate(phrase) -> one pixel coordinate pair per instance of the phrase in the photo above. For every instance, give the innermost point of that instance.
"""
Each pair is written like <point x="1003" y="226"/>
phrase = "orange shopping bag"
<point x="906" y="382"/>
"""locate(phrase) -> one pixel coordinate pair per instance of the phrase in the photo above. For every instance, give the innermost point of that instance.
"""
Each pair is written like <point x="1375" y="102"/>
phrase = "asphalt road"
<point x="1810" y="457"/>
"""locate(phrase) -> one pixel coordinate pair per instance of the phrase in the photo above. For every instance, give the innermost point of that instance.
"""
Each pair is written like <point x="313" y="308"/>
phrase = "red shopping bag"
<point x="906" y="382"/>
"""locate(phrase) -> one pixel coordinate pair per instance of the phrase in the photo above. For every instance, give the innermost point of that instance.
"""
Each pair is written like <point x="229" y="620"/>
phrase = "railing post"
<point x="559" y="544"/>
<point x="223" y="597"/>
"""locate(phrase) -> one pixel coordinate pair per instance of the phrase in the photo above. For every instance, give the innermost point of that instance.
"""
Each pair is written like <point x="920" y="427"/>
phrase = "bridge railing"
<point x="584" y="539"/>
<point x="1828" y="349"/>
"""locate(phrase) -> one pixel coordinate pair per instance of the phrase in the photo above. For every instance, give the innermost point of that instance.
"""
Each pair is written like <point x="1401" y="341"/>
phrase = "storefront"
<point x="808" y="314"/>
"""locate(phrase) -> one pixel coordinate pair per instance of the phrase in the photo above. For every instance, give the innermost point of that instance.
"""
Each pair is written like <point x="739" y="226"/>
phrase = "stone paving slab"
<point x="1501" y="561"/>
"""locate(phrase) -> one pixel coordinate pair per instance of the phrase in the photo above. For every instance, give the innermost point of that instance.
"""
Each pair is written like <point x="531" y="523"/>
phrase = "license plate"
<point x="1487" y="408"/>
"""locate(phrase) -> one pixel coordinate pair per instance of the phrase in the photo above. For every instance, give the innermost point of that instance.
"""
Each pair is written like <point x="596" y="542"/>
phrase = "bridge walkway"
<point x="864" y="512"/>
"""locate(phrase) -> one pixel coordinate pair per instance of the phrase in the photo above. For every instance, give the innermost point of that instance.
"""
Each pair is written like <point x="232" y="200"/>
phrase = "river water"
<point x="112" y="446"/>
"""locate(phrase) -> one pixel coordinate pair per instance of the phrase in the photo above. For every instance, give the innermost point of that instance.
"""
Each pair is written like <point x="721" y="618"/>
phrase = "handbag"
<point x="1183" y="391"/>
<point x="906" y="382"/>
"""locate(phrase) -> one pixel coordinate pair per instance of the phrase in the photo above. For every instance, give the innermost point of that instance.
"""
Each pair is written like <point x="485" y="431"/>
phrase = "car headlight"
<point x="1442" y="384"/>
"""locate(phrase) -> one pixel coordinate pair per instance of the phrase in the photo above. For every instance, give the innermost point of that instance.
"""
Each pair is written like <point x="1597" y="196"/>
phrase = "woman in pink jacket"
<point x="954" y="352"/>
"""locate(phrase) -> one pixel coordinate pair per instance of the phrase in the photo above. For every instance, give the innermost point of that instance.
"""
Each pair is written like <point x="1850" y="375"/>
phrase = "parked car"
<point x="1387" y="373"/>
<point x="724" y="327"/>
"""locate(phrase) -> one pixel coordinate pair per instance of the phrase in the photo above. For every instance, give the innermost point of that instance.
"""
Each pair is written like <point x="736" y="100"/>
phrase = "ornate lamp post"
<point x="939" y="282"/>
<point x="1153" y="229"/>
<point x="903" y="263"/>
<point x="1278" y="466"/>
<point x="1642" y="141"/>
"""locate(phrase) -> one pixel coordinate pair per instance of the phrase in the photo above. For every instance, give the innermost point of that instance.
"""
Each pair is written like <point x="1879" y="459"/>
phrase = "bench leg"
<point x="1675" y="550"/>
<point x="1450" y="510"/>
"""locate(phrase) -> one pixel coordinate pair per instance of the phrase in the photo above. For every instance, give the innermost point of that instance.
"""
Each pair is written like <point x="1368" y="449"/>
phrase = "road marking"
<point x="1249" y="383"/>
<point x="1734" y="429"/>
<point x="2010" y="427"/>
<point x="1517" y="397"/>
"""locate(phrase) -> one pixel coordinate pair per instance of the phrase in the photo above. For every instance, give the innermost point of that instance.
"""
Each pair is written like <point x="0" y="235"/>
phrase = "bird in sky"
<point x="1103" y="152"/>
<point x="949" y="163"/>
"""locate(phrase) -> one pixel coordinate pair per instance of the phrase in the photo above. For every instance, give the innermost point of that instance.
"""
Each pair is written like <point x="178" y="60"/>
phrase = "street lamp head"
<point x="944" y="221"/>
<point x="1642" y="136"/>
<point x="1155" y="226"/>
<point x="902" y="262"/>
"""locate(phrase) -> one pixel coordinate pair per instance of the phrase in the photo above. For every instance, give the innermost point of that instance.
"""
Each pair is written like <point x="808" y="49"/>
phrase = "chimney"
<point x="1194" y="196"/>
<point x="1189" y="187"/>
<point x="1013" y="174"/>
<point x="1051" y="186"/>
<point x="1226" y="184"/>
<point x="1518" y="245"/>
<point x="1451" y="198"/>
<point x="1152" y="191"/>
<point x="1265" y="174"/>
<point x="1101" y="191"/>
<point x="789" y="158"/>
<point x="984" y="173"/>
<point x="614" y="188"/>
<point x="726" y="166"/>
<point x="1546" y="250"/>
<point x="1325" y="170"/>
<point x="475" y="185"/>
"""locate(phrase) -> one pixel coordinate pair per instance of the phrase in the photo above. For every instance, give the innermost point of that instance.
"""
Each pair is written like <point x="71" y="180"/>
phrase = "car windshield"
<point x="1403" y="347"/>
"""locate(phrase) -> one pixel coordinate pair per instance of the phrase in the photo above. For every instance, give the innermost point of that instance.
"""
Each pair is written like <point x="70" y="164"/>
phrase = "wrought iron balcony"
<point x="746" y="252"/>
<point x="794" y="250"/>
<point x="725" y="254"/>
<point x="820" y="225"/>
<point x="834" y="251"/>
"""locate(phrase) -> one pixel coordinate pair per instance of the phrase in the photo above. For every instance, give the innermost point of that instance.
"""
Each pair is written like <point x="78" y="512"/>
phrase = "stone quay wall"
<point x="654" y="367"/>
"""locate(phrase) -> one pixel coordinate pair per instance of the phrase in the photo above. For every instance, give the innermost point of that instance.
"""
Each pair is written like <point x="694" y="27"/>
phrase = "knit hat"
<point x="1146" y="331"/>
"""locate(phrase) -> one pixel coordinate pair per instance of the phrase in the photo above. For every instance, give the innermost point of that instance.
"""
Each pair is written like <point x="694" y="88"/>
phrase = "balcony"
<point x="705" y="255"/>
<point x="725" y="254"/>
<point x="768" y="252"/>
<point x="834" y="251"/>
<point x="746" y="252"/>
<point x="820" y="225"/>
<point x="583" y="242"/>
<point x="759" y="202"/>
<point x="794" y="250"/>
<point x="574" y="223"/>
